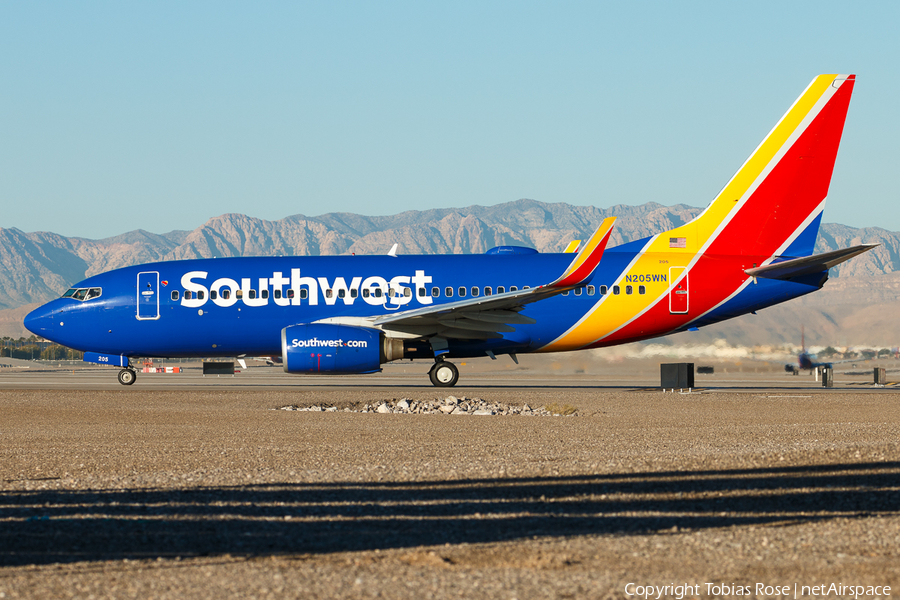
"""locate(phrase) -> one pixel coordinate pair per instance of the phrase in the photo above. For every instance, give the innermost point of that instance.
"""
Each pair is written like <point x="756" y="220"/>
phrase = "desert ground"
<point x="184" y="486"/>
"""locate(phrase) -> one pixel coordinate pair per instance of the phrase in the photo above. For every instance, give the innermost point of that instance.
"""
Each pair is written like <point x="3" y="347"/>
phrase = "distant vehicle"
<point x="751" y="248"/>
<point x="808" y="362"/>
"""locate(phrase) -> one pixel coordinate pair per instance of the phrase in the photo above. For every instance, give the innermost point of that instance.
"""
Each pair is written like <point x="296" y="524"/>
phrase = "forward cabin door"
<point x="148" y="295"/>
<point x="678" y="295"/>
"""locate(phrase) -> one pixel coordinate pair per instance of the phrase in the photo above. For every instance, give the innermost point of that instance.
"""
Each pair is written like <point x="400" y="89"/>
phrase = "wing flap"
<point x="499" y="316"/>
<point x="469" y="324"/>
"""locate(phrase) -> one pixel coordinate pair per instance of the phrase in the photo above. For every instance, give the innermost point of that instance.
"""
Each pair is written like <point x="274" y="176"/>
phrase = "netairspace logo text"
<point x="679" y="591"/>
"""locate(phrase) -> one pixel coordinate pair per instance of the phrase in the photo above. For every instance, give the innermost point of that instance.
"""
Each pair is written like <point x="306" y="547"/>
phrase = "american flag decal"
<point x="677" y="242"/>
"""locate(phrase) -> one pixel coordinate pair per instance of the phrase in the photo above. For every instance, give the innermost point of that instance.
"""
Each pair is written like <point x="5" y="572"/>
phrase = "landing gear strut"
<point x="127" y="376"/>
<point x="443" y="374"/>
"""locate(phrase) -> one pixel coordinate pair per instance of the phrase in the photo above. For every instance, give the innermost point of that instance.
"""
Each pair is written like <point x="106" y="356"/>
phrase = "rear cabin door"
<point x="678" y="295"/>
<point x="148" y="295"/>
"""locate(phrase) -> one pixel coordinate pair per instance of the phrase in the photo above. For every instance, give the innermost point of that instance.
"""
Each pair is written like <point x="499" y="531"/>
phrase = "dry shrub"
<point x="560" y="409"/>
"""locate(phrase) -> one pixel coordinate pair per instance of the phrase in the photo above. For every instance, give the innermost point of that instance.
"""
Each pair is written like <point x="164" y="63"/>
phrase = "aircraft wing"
<point x="490" y="316"/>
<point x="808" y="264"/>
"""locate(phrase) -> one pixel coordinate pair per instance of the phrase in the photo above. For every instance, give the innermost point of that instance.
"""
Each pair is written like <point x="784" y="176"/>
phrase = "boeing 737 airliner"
<point x="751" y="248"/>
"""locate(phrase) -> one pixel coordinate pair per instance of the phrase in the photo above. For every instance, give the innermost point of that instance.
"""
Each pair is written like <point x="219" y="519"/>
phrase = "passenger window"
<point x="188" y="295"/>
<point x="475" y="291"/>
<point x="290" y="294"/>
<point x="342" y="293"/>
<point x="304" y="293"/>
<point x="226" y="294"/>
<point x="277" y="294"/>
<point x="354" y="293"/>
<point x="526" y="287"/>
<point x="615" y="290"/>
<point x="435" y="292"/>
<point x="201" y="295"/>
<point x="264" y="294"/>
<point x="407" y="292"/>
<point x="603" y="290"/>
<point x="378" y="292"/>
<point x="488" y="291"/>
<point x="422" y="292"/>
<point x="328" y="293"/>
<point x="501" y="289"/>
<point x="80" y="294"/>
<point x="448" y="291"/>
<point x="175" y="295"/>
<point x="565" y="293"/>
<point x="642" y="289"/>
<point x="365" y="293"/>
<point x="577" y="291"/>
<point x="462" y="292"/>
<point x="513" y="288"/>
<point x="628" y="290"/>
<point x="251" y="294"/>
<point x="591" y="289"/>
<point x="239" y="294"/>
<point x="213" y="294"/>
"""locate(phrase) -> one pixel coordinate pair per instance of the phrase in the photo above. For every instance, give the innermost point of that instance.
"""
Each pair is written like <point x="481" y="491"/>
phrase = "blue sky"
<point x="117" y="116"/>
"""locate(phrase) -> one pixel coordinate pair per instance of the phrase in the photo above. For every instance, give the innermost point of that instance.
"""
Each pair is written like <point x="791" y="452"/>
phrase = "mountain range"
<point x="35" y="267"/>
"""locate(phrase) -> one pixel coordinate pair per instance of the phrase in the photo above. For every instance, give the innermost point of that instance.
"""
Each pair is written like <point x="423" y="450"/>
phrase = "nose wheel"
<point x="444" y="374"/>
<point x="127" y="376"/>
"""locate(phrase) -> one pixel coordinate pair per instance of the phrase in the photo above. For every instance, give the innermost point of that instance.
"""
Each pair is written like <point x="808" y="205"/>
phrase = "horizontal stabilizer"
<point x="807" y="265"/>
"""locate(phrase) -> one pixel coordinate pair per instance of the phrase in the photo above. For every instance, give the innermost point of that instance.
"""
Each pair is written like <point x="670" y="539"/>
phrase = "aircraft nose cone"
<point x="39" y="321"/>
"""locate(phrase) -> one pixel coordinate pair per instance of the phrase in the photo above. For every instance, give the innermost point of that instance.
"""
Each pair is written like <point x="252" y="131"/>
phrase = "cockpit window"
<point x="83" y="294"/>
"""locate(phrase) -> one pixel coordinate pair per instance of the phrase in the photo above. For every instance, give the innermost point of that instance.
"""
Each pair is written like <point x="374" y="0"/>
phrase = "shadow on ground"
<point x="43" y="527"/>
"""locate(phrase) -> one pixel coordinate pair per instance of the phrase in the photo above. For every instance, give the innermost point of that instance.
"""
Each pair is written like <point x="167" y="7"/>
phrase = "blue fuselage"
<point x="239" y="306"/>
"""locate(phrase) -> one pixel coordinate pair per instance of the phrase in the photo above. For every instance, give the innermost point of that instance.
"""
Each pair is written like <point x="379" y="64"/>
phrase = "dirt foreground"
<point x="209" y="494"/>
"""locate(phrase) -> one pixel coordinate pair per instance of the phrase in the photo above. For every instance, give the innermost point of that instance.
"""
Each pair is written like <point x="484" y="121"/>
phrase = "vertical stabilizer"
<point x="770" y="208"/>
<point x="776" y="198"/>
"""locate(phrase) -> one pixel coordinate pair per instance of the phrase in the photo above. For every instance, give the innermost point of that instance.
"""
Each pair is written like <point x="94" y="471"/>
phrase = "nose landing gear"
<point x="127" y="376"/>
<point x="443" y="374"/>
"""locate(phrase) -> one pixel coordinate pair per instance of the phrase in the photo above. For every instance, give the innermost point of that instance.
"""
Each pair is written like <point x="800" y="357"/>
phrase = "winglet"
<point x="588" y="257"/>
<point x="572" y="247"/>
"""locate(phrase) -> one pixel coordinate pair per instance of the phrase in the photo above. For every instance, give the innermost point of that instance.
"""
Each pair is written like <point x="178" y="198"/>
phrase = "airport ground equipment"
<point x="827" y="377"/>
<point x="676" y="376"/>
<point x="218" y="368"/>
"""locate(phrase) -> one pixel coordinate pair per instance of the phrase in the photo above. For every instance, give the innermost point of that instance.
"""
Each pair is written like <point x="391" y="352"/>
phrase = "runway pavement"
<point x="534" y="372"/>
<point x="184" y="486"/>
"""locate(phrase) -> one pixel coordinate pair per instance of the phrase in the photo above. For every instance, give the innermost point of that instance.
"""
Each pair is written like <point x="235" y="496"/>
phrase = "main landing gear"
<point x="127" y="376"/>
<point x="443" y="373"/>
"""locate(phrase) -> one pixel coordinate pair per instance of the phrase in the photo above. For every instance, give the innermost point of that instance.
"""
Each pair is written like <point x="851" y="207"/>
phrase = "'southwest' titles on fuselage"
<point x="294" y="290"/>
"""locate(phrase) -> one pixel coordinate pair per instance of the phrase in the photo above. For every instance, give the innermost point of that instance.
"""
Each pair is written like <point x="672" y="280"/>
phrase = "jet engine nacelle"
<point x="325" y="348"/>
